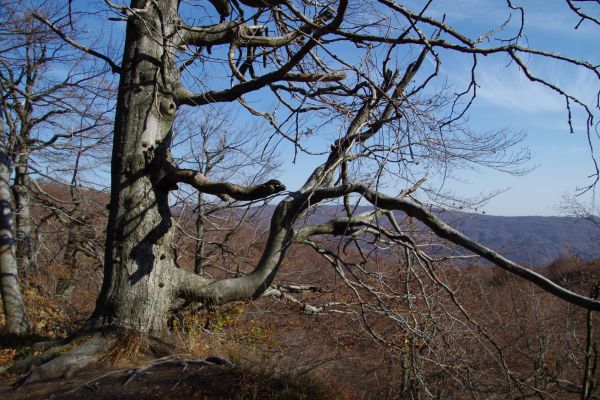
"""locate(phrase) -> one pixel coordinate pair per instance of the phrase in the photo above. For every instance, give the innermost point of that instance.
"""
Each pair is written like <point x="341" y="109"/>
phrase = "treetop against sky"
<point x="560" y="162"/>
<point x="505" y="97"/>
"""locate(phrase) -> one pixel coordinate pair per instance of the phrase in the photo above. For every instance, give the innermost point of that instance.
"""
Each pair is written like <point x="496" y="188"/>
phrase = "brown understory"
<point x="63" y="358"/>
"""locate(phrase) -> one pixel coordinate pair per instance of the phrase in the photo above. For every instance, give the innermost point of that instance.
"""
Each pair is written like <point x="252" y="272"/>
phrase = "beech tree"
<point x="361" y="75"/>
<point x="17" y="321"/>
<point x="49" y="96"/>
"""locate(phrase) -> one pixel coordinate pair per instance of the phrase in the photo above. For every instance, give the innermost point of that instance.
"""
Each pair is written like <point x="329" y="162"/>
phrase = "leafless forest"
<point x="150" y="248"/>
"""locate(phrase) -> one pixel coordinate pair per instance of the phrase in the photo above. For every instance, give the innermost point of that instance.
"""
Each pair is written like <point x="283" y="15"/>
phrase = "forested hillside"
<point x="304" y="338"/>
<point x="531" y="240"/>
<point x="257" y="199"/>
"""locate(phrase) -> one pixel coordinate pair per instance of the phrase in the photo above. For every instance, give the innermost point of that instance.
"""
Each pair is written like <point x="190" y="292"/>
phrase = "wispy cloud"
<point x="507" y="87"/>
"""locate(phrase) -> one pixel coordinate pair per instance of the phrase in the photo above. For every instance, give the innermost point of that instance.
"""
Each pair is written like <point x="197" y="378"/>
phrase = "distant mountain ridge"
<point x="531" y="240"/>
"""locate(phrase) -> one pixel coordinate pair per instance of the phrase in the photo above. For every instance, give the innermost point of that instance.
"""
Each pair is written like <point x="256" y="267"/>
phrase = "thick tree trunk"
<point x="140" y="277"/>
<point x="16" y="319"/>
<point x="138" y="287"/>
<point x="23" y="228"/>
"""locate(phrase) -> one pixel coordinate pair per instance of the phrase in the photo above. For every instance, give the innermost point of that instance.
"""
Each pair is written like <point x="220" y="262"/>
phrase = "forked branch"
<point x="184" y="96"/>
<point x="224" y="190"/>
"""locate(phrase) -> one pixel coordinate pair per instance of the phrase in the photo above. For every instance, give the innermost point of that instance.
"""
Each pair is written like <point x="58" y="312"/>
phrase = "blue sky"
<point x="561" y="161"/>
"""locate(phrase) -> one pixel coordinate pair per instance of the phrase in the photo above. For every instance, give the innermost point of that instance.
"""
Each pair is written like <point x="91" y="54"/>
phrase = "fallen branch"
<point x="209" y="361"/>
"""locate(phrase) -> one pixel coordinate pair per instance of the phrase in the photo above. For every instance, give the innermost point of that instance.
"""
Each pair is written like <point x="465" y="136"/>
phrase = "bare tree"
<point x="575" y="207"/>
<point x="17" y="321"/>
<point x="386" y="122"/>
<point x="219" y="151"/>
<point x="48" y="99"/>
<point x="50" y="96"/>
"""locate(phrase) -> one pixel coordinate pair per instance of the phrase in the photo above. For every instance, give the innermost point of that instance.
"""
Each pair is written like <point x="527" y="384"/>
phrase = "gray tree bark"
<point x="138" y="287"/>
<point x="23" y="229"/>
<point x="200" y="242"/>
<point x="16" y="319"/>
<point x="65" y="284"/>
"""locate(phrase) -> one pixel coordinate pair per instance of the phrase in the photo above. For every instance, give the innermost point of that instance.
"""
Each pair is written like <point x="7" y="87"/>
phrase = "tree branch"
<point x="445" y="231"/>
<point x="237" y="32"/>
<point x="223" y="190"/>
<point x="337" y="226"/>
<point x="307" y="77"/>
<point x="115" y="68"/>
<point x="184" y="96"/>
<point x="282" y="292"/>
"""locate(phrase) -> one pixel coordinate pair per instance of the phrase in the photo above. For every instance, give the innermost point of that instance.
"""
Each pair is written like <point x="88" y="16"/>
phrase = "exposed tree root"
<point x="63" y="361"/>
<point x="49" y="351"/>
<point x="69" y="356"/>
<point x="130" y="374"/>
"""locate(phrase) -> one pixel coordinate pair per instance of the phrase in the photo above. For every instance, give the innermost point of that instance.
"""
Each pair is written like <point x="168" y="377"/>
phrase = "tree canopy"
<point x="361" y="88"/>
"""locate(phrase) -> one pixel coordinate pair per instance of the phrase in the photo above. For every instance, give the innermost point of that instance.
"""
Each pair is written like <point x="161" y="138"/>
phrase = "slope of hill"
<point x="531" y="240"/>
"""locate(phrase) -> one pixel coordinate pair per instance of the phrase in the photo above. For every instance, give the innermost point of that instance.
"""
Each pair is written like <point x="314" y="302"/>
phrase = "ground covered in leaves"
<point x="173" y="382"/>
